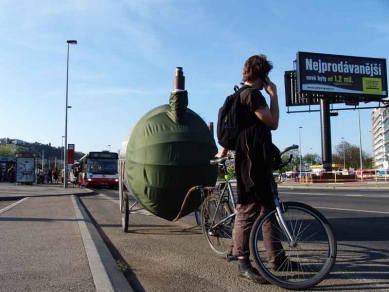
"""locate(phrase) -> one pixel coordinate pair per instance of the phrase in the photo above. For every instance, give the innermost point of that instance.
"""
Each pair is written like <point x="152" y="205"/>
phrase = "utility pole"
<point x="344" y="153"/>
<point x="300" y="150"/>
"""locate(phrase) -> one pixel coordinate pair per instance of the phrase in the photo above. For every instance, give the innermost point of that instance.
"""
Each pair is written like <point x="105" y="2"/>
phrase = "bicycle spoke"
<point x="217" y="230"/>
<point x="299" y="264"/>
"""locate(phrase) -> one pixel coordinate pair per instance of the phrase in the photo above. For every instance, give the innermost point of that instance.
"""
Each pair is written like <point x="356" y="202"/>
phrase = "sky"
<point x="124" y="63"/>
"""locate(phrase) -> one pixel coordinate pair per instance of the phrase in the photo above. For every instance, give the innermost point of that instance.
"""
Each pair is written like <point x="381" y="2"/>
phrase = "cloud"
<point x="111" y="91"/>
<point x="380" y="28"/>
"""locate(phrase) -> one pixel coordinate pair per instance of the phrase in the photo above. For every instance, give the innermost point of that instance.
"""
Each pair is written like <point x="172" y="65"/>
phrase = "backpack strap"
<point x="250" y="118"/>
<point x="244" y="86"/>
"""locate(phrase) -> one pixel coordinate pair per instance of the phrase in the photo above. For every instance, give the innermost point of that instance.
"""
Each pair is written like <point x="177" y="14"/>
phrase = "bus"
<point x="98" y="169"/>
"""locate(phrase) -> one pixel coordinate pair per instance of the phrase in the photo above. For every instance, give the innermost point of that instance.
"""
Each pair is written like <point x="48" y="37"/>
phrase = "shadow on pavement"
<point x="361" y="228"/>
<point x="356" y="259"/>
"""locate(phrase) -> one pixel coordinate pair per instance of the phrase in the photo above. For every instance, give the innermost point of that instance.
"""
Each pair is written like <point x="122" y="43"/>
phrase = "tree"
<point x="311" y="159"/>
<point x="349" y="155"/>
<point x="8" y="150"/>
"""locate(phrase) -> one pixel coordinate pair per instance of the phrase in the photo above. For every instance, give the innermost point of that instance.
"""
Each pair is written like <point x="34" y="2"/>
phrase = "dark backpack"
<point x="231" y="119"/>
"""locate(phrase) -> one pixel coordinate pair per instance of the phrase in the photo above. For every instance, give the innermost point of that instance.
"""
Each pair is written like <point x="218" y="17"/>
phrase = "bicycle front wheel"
<point x="217" y="232"/>
<point x="306" y="260"/>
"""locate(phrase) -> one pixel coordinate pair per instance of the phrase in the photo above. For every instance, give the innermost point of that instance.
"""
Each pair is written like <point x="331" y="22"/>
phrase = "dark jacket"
<point x="252" y="170"/>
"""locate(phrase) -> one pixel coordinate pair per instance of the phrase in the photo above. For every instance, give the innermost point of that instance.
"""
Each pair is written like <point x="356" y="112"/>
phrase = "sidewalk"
<point x="48" y="243"/>
<point x="8" y="190"/>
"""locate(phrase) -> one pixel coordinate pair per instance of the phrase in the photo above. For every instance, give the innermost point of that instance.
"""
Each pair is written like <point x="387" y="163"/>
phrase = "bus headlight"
<point x="90" y="179"/>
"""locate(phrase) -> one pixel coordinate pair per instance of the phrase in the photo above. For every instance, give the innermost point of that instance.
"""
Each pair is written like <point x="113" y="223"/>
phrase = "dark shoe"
<point x="253" y="275"/>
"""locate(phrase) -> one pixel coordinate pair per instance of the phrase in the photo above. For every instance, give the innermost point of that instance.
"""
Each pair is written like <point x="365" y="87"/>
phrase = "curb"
<point x="105" y="272"/>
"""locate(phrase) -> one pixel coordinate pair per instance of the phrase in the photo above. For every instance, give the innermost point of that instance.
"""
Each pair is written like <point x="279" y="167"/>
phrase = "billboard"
<point x="25" y="170"/>
<point x="341" y="75"/>
<point x="295" y="98"/>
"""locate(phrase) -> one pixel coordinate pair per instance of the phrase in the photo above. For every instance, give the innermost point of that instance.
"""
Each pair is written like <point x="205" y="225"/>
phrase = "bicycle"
<point x="308" y="242"/>
<point x="222" y="194"/>
<point x="280" y="178"/>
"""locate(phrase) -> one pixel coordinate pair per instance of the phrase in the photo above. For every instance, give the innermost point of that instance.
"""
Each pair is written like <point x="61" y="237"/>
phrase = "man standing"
<point x="252" y="171"/>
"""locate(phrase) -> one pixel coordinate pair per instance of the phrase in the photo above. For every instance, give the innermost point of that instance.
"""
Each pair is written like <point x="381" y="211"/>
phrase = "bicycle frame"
<point x="274" y="189"/>
<point x="280" y="210"/>
<point x="229" y="195"/>
<point x="278" y="203"/>
<point x="304" y="264"/>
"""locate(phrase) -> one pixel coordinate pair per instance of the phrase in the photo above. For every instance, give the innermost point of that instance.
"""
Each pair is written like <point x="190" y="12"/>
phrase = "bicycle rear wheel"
<point x="301" y="264"/>
<point x="219" y="237"/>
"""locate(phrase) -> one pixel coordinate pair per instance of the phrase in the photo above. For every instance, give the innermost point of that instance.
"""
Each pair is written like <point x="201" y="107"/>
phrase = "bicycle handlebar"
<point x="219" y="160"/>
<point x="223" y="159"/>
<point x="288" y="149"/>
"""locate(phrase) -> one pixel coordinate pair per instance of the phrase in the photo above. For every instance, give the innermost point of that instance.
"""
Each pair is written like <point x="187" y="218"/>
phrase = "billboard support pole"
<point x="325" y="120"/>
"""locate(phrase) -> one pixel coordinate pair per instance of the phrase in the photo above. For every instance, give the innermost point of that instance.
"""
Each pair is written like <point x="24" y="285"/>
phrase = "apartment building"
<point x="380" y="131"/>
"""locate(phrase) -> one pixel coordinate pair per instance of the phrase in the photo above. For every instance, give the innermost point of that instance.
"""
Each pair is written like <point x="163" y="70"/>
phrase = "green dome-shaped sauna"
<point x="168" y="152"/>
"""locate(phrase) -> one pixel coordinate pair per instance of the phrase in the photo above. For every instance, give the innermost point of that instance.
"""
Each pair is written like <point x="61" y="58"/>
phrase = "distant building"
<point x="13" y="141"/>
<point x="19" y="142"/>
<point x="380" y="130"/>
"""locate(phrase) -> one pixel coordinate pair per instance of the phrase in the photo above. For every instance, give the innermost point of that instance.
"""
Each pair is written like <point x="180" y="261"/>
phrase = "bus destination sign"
<point x="341" y="75"/>
<point x="112" y="155"/>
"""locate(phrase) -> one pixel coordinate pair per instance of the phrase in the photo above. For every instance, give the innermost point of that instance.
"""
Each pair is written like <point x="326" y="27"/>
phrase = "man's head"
<point x="256" y="69"/>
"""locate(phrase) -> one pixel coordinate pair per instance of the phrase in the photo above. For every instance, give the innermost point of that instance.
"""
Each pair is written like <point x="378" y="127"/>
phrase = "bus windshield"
<point x="102" y="166"/>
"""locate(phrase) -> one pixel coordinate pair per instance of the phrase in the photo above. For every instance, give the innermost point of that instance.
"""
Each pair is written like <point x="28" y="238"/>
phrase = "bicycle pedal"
<point x="211" y="233"/>
<point x="231" y="257"/>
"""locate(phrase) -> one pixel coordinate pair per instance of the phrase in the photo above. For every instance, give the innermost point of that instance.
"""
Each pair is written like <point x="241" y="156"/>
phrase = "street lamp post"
<point x="344" y="154"/>
<point x="311" y="157"/>
<point x="360" y="144"/>
<point x="65" y="175"/>
<point x="300" y="150"/>
<point x="62" y="150"/>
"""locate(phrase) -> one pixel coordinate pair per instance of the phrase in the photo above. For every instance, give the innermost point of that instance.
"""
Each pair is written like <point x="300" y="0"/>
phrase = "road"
<point x="165" y="256"/>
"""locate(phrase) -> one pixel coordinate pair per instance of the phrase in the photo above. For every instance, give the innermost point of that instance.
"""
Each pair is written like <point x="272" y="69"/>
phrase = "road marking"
<point x="352" y="210"/>
<point x="13" y="205"/>
<point x="326" y="193"/>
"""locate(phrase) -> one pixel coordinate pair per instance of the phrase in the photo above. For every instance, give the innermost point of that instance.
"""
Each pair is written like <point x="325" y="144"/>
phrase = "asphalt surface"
<point x="57" y="239"/>
<point x="174" y="256"/>
<point x="48" y="243"/>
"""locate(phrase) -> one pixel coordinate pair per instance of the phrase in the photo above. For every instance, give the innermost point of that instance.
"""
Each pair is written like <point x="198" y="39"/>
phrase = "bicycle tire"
<point x="280" y="178"/>
<point x="219" y="238"/>
<point x="300" y="266"/>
